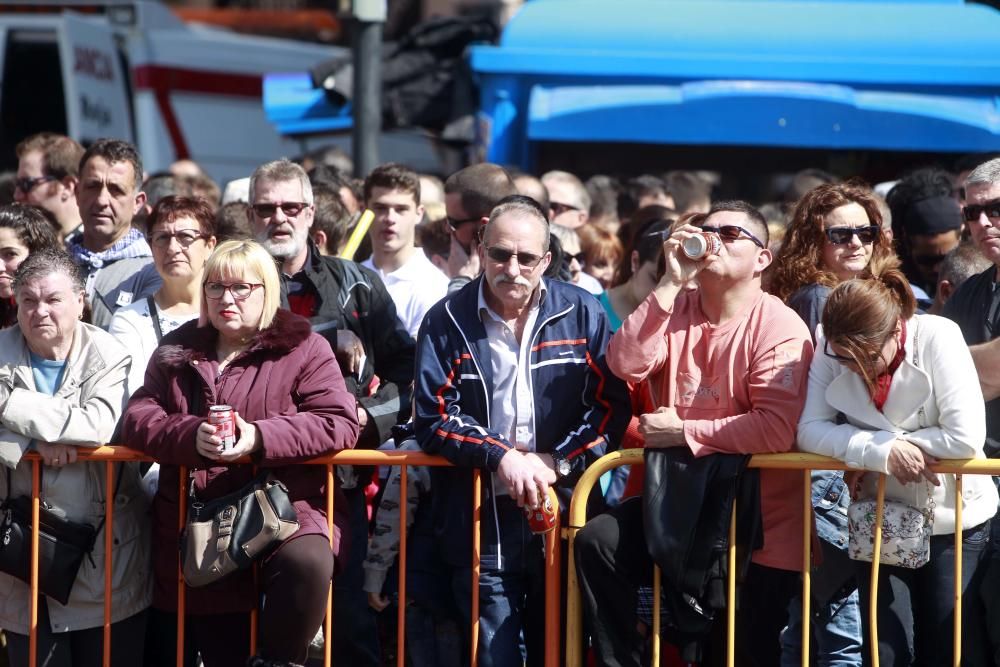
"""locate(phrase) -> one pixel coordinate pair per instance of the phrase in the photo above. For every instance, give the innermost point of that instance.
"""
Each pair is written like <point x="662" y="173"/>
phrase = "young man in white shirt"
<point x="392" y="193"/>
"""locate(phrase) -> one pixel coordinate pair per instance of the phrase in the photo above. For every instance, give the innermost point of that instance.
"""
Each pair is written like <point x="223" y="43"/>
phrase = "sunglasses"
<point x="240" y="291"/>
<point x="844" y="235"/>
<point x="455" y="224"/>
<point x="971" y="212"/>
<point x="185" y="238"/>
<point x="828" y="351"/>
<point x="732" y="233"/>
<point x="525" y="260"/>
<point x="289" y="208"/>
<point x="580" y="258"/>
<point x="26" y="185"/>
<point x="559" y="209"/>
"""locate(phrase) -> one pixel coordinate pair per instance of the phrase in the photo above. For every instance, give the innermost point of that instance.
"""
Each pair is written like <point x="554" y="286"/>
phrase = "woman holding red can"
<point x="290" y="405"/>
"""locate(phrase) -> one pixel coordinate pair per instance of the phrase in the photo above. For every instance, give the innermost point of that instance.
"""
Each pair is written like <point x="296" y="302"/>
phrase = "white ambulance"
<point x="133" y="70"/>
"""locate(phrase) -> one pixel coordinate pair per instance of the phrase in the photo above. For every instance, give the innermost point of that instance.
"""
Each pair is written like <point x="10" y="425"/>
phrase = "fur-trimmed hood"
<point x="190" y="342"/>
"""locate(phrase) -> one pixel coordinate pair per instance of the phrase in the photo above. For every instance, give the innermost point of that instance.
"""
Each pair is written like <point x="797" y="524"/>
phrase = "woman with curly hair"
<point x="835" y="235"/>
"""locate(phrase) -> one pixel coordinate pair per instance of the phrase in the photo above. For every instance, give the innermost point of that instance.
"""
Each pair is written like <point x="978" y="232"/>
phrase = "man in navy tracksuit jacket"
<point x="511" y="380"/>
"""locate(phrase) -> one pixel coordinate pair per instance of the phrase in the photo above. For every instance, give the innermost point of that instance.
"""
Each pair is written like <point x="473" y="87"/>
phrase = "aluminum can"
<point x="542" y="519"/>
<point x="224" y="421"/>
<point x="701" y="245"/>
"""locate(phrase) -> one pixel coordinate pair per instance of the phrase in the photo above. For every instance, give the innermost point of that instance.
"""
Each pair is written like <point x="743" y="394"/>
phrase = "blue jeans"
<point x="916" y="607"/>
<point x="836" y="618"/>
<point x="836" y="632"/>
<point x="511" y="590"/>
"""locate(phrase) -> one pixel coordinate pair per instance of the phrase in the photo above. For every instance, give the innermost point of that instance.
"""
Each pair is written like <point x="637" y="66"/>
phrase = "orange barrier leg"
<point x="731" y="593"/>
<point x="109" y="531"/>
<point x="401" y="607"/>
<point x="331" y="489"/>
<point x="33" y="589"/>
<point x="181" y="515"/>
<point x="477" y="499"/>
<point x="553" y="585"/>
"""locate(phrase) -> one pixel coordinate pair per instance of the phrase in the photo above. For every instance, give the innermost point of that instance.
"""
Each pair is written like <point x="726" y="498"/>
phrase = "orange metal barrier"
<point x="791" y="462"/>
<point x="111" y="455"/>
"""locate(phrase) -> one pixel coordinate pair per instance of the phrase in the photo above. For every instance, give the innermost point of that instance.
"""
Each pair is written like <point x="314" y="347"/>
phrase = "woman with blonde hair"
<point x="889" y="392"/>
<point x="290" y="405"/>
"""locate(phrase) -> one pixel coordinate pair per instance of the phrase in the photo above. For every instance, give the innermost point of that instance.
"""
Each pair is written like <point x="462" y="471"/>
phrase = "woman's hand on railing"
<point x="908" y="463"/>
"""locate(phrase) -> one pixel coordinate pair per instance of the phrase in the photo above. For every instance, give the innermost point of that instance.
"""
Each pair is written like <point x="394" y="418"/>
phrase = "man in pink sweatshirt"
<point x="727" y="365"/>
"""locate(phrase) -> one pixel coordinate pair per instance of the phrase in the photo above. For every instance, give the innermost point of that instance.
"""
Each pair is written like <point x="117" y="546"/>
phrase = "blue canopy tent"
<point x="838" y="74"/>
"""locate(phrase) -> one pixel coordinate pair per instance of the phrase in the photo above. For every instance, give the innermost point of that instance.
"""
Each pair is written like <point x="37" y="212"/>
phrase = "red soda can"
<point x="542" y="519"/>
<point x="701" y="245"/>
<point x="224" y="421"/>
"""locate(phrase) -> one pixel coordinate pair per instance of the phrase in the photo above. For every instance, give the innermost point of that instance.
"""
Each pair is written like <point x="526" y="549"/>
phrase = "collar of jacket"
<point x="193" y="343"/>
<point x="84" y="359"/>
<point x="910" y="389"/>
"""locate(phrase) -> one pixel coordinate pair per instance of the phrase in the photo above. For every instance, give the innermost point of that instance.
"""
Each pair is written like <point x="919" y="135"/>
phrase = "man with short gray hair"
<point x="511" y="380"/>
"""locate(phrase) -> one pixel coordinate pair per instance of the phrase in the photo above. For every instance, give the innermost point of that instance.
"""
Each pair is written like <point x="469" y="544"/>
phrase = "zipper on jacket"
<point x="531" y="382"/>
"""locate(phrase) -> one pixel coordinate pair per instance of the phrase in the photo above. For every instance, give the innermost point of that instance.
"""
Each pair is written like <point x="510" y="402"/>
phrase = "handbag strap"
<point x="155" y="316"/>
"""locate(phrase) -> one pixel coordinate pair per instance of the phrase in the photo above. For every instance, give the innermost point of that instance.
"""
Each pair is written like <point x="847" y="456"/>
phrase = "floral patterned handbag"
<point x="906" y="532"/>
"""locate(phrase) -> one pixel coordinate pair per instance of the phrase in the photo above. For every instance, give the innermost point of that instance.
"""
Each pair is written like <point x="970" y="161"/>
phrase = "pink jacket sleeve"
<point x="639" y="347"/>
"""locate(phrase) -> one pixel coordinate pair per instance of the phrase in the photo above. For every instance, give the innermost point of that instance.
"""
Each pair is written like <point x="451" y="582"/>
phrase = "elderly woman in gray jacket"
<point x="62" y="387"/>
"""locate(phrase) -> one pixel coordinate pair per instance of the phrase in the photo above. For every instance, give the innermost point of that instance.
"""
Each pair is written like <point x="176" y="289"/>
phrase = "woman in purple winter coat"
<point x="291" y="405"/>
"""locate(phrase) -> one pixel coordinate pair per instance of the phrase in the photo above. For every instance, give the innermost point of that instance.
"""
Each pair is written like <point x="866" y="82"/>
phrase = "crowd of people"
<point x="520" y="326"/>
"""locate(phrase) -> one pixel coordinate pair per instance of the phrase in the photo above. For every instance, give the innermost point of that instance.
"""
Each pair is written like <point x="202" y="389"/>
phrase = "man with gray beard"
<point x="350" y="307"/>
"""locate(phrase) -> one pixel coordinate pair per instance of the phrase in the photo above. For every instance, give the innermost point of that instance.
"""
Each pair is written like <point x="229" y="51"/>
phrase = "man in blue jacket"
<point x="511" y="379"/>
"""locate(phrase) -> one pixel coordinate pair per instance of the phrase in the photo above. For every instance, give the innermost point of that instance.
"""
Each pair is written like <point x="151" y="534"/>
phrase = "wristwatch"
<point x="563" y="467"/>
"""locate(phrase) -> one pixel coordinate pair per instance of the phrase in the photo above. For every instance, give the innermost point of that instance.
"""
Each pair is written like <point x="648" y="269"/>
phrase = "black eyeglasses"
<point x="289" y="208"/>
<point x="559" y="209"/>
<point x="185" y="237"/>
<point x="971" y="212"/>
<point x="526" y="260"/>
<point x="26" y="185"/>
<point x="833" y="355"/>
<point x="455" y="224"/>
<point x="732" y="233"/>
<point x="240" y="291"/>
<point x="843" y="235"/>
<point x="580" y="258"/>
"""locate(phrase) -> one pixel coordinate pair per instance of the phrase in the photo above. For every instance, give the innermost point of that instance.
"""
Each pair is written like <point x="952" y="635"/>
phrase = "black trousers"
<point x="80" y="648"/>
<point x="294" y="584"/>
<point x="612" y="561"/>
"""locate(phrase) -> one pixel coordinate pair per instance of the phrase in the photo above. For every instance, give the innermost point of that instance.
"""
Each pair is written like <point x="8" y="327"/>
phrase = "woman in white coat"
<point x="892" y="392"/>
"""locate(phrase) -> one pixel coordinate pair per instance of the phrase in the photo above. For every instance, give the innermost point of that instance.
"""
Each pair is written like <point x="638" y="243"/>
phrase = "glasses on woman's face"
<point x="240" y="291"/>
<point x="872" y="363"/>
<point x="844" y="235"/>
<point x="732" y="233"/>
<point x="185" y="237"/>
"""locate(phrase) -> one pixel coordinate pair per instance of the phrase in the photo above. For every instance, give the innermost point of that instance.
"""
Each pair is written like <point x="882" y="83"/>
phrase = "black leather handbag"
<point x="62" y="544"/>
<point x="227" y="534"/>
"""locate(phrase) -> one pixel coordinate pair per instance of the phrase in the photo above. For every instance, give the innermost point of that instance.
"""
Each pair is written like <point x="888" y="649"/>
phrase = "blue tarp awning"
<point x="891" y="75"/>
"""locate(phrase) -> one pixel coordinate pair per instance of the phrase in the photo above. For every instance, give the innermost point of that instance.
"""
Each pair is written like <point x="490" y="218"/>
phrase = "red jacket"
<point x="290" y="386"/>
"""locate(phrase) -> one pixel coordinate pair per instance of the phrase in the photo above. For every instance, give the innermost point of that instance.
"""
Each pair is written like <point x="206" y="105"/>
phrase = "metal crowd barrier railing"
<point x="112" y="455"/>
<point x="791" y="462"/>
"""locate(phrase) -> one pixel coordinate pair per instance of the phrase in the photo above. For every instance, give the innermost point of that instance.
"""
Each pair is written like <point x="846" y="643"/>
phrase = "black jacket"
<point x="352" y="297"/>
<point x="687" y="503"/>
